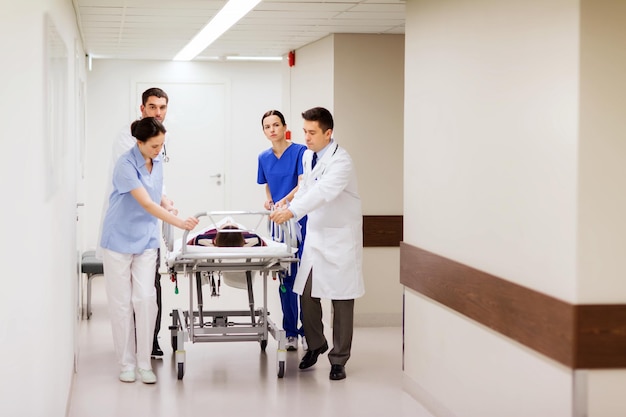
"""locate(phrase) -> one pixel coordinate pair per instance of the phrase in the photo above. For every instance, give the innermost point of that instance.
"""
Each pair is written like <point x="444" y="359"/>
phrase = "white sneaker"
<point x="127" y="376"/>
<point x="147" y="376"/>
<point x="304" y="344"/>
<point x="292" y="343"/>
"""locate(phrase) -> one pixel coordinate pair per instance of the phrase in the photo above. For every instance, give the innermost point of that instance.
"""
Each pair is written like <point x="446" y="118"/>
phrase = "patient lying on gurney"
<point x="227" y="235"/>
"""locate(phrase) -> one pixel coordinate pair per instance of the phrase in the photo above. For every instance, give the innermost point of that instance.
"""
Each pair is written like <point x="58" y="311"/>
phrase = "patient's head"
<point x="229" y="239"/>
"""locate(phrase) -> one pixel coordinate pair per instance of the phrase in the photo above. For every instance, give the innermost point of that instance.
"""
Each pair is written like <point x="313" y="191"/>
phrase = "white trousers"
<point x="132" y="305"/>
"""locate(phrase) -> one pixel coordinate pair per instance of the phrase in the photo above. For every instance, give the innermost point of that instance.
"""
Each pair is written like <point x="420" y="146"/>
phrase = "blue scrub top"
<point x="128" y="227"/>
<point x="281" y="174"/>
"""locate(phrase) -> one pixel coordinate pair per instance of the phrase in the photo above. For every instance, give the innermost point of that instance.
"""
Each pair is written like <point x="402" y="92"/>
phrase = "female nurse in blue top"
<point x="280" y="168"/>
<point x="130" y="239"/>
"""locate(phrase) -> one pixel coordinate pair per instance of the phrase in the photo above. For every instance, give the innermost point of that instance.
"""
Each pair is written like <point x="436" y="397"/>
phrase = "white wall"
<point x="369" y="113"/>
<point x="457" y="368"/>
<point x="490" y="181"/>
<point x="602" y="141"/>
<point x="491" y="130"/>
<point x="38" y="302"/>
<point x="601" y="180"/>
<point x="360" y="79"/>
<point x="369" y="109"/>
<point x="253" y="88"/>
<point x="513" y="154"/>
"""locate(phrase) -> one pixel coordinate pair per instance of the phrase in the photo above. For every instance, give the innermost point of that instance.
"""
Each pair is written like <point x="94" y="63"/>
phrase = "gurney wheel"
<point x="181" y="370"/>
<point x="281" y="369"/>
<point x="263" y="345"/>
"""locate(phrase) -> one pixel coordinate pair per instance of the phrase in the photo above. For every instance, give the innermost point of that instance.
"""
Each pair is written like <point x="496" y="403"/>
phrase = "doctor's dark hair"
<point x="321" y="116"/>
<point x="146" y="128"/>
<point x="273" y="113"/>
<point x="156" y="92"/>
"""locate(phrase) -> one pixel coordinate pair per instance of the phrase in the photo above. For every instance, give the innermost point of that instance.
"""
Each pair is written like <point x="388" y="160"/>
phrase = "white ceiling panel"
<point x="159" y="29"/>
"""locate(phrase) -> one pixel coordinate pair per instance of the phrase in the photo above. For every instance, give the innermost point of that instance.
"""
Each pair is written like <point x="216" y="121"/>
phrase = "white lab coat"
<point x="334" y="238"/>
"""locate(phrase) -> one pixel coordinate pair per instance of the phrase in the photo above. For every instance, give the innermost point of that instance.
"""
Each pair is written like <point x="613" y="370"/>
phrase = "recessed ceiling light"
<point x="221" y="22"/>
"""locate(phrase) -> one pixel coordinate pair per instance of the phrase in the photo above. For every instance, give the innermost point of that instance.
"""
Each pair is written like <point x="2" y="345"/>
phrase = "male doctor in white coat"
<point x="332" y="257"/>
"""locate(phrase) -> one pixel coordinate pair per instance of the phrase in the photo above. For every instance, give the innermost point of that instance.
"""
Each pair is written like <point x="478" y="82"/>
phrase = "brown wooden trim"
<point x="382" y="230"/>
<point x="601" y="336"/>
<point x="578" y="336"/>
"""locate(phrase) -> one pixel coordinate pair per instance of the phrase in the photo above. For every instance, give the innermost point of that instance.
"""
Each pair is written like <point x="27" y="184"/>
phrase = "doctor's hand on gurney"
<point x="280" y="215"/>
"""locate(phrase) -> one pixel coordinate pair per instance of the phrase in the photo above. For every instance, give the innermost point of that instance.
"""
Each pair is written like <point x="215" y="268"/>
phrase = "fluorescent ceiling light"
<point x="253" y="58"/>
<point x="221" y="22"/>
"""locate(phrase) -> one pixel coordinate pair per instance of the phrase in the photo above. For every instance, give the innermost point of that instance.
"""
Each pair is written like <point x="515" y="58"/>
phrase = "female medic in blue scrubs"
<point x="130" y="240"/>
<point x="280" y="168"/>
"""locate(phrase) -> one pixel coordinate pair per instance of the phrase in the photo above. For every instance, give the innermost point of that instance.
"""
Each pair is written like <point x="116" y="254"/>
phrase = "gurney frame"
<point x="199" y="325"/>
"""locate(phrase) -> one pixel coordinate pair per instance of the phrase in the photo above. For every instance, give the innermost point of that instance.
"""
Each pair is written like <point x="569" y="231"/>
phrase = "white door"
<point x="197" y="131"/>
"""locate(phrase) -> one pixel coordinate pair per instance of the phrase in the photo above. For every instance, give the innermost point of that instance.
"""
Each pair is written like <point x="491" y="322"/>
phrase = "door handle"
<point x="218" y="177"/>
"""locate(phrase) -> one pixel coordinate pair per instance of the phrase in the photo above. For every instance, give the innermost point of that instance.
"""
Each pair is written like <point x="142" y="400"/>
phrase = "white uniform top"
<point x="333" y="247"/>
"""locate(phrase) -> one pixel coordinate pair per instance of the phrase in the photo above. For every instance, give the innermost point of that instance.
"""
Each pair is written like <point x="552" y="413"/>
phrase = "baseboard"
<point x="415" y="390"/>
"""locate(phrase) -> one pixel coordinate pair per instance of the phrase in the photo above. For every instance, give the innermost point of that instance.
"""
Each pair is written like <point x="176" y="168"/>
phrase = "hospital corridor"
<point x="476" y="151"/>
<point x="234" y="378"/>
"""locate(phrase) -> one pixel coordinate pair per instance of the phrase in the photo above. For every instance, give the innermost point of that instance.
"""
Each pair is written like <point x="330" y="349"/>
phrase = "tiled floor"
<point x="235" y="378"/>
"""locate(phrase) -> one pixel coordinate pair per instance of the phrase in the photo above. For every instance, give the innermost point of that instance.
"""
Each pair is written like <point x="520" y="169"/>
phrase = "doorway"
<point x="197" y="133"/>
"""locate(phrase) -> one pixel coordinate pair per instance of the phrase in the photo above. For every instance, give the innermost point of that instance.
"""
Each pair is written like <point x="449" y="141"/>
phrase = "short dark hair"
<point x="146" y="128"/>
<point x="273" y="113"/>
<point x="229" y="239"/>
<point x="156" y="92"/>
<point x="320" y="115"/>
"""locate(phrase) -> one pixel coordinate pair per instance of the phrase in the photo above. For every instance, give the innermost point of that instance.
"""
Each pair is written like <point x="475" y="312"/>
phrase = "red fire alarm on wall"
<point x="292" y="58"/>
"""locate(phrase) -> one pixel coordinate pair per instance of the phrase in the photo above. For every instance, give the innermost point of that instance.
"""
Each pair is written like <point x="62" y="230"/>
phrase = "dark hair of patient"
<point x="146" y="128"/>
<point x="229" y="239"/>
<point x="273" y="113"/>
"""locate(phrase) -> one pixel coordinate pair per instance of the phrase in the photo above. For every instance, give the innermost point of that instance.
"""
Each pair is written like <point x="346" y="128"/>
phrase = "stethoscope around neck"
<point x="164" y="156"/>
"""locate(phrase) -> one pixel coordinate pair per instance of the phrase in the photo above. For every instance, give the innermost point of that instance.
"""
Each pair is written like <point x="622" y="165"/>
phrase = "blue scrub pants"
<point x="290" y="301"/>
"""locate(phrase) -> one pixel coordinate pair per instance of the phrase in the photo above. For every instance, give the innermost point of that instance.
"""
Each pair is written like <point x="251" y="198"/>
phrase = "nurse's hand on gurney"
<point x="168" y="205"/>
<point x="143" y="198"/>
<point x="280" y="215"/>
<point x="188" y="224"/>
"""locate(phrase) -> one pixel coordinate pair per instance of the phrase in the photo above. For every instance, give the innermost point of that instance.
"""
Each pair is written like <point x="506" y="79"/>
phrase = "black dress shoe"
<point x="310" y="357"/>
<point x="156" y="349"/>
<point x="337" y="372"/>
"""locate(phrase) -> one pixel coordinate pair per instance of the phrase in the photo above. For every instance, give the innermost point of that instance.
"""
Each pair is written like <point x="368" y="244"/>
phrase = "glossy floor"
<point x="236" y="379"/>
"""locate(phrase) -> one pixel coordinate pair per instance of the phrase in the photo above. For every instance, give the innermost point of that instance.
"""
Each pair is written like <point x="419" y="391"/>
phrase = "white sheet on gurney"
<point x="271" y="250"/>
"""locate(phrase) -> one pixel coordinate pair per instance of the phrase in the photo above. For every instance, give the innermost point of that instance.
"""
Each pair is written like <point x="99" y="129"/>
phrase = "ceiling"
<point x="159" y="29"/>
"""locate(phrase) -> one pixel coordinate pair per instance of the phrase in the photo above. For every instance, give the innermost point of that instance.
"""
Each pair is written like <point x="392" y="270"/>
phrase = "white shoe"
<point x="305" y="346"/>
<point x="147" y="376"/>
<point x="127" y="376"/>
<point x="292" y="343"/>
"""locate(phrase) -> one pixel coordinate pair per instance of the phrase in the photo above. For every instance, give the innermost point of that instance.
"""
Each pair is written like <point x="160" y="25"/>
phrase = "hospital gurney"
<point x="211" y="264"/>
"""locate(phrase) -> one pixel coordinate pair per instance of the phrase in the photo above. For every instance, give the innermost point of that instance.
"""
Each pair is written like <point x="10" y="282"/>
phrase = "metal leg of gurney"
<point x="179" y="336"/>
<point x="250" y="297"/>
<point x="200" y="298"/>
<point x="277" y="332"/>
